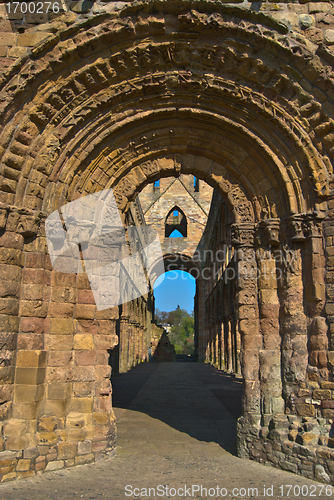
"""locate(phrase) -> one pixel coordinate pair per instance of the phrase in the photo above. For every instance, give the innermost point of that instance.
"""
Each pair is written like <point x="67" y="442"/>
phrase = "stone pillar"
<point x="11" y="262"/>
<point x="293" y="321"/>
<point x="314" y="279"/>
<point x="248" y="319"/>
<point x="270" y="355"/>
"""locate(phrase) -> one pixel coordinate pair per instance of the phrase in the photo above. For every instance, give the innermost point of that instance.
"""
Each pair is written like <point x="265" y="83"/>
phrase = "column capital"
<point x="243" y="234"/>
<point x="304" y="225"/>
<point x="268" y="232"/>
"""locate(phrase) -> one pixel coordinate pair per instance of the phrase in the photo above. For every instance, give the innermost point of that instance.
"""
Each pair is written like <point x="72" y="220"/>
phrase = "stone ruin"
<point x="116" y="95"/>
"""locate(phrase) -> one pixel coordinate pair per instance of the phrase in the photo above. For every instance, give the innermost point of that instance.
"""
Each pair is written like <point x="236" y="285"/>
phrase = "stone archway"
<point x="119" y="102"/>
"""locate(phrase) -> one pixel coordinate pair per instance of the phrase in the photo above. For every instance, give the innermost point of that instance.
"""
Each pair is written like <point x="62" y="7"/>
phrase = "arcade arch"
<point x="120" y="102"/>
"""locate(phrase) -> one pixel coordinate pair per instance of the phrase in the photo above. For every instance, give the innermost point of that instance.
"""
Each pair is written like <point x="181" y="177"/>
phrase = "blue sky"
<point x="174" y="288"/>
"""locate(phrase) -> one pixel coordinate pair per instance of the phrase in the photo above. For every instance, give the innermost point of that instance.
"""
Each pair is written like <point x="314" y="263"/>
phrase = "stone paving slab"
<point x="180" y="453"/>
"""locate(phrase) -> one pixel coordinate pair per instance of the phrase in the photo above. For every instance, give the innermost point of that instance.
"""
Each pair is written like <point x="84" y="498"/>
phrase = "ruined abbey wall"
<point x="239" y="95"/>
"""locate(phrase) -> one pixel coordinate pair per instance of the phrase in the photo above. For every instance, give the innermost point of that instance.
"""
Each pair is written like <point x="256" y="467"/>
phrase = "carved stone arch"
<point x="121" y="100"/>
<point x="52" y="126"/>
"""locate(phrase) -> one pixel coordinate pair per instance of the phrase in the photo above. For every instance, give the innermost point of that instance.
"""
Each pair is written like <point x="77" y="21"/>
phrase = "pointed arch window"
<point x="176" y="224"/>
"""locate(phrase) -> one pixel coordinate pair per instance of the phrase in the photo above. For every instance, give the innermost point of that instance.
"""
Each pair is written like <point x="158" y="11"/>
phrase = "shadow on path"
<point x="192" y="398"/>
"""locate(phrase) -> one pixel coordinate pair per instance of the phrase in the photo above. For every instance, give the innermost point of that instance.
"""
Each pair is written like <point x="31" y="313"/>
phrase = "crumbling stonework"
<point x="239" y="95"/>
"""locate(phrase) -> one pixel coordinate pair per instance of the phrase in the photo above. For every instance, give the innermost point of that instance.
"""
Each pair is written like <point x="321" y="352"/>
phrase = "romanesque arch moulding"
<point x="155" y="90"/>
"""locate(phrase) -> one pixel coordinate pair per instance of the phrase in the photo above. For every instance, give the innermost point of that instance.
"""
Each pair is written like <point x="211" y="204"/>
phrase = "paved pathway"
<point x="173" y="431"/>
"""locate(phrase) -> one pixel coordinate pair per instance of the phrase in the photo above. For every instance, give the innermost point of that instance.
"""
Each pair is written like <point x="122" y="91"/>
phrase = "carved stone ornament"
<point x="242" y="234"/>
<point x="296" y="225"/>
<point x="303" y="226"/>
<point x="270" y="232"/>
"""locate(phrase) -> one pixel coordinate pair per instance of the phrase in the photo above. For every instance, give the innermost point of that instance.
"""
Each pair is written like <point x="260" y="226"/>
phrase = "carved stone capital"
<point x="242" y="235"/>
<point x="268" y="232"/>
<point x="303" y="226"/>
<point x="296" y="224"/>
<point x="313" y="225"/>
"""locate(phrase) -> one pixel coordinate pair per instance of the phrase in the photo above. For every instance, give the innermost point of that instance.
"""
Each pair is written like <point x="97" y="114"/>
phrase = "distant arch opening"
<point x="176" y="224"/>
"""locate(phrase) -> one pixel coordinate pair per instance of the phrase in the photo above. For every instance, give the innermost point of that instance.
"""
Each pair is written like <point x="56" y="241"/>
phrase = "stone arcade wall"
<point x="58" y="397"/>
<point x="228" y="93"/>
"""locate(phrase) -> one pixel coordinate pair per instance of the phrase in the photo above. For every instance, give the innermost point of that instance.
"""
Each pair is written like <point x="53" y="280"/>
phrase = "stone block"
<point x="101" y="418"/>
<point x="29" y="376"/>
<point x="9" y="289"/>
<point x="329" y="37"/>
<point x="86" y="297"/>
<point x="85" y="357"/>
<point x="328" y="404"/>
<point x="54" y="407"/>
<point x="40" y="466"/>
<point x="63" y="294"/>
<point x="101" y="372"/>
<point x="9" y="323"/>
<point x="12" y="257"/>
<point x="328" y="413"/>
<point x="82" y="341"/>
<point x="81" y="405"/>
<point x="314" y="7"/>
<point x="55" y="465"/>
<point x="7" y="39"/>
<point x="37" y="308"/>
<point x="28" y="341"/>
<point x="61" y="310"/>
<point x="31" y="359"/>
<point x="58" y="342"/>
<point x="85" y="459"/>
<point x="102" y="342"/>
<point x="321" y="394"/>
<point x="32" y="325"/>
<point x="11" y="240"/>
<point x="9" y="305"/>
<point x="305" y="410"/>
<point x="31" y="453"/>
<point x="6" y="393"/>
<point x="10" y="272"/>
<point x="32" y="291"/>
<point x="84" y="447"/>
<point x="66" y="450"/>
<point x="88" y="326"/>
<point x="83" y="389"/>
<point x="23" y="411"/>
<point x="57" y="391"/>
<point x="36" y="276"/>
<point x="63" y="326"/>
<point x="60" y="358"/>
<point x="107" y="327"/>
<point x="85" y="311"/>
<point x="31" y="39"/>
<point x="112" y="313"/>
<point x="28" y="393"/>
<point x="23" y="465"/>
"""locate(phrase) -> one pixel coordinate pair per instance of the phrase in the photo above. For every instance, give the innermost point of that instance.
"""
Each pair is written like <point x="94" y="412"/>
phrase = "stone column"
<point x="314" y="279"/>
<point x="270" y="355"/>
<point x="293" y="321"/>
<point x="11" y="262"/>
<point x="248" y="318"/>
